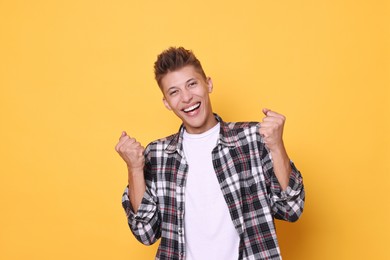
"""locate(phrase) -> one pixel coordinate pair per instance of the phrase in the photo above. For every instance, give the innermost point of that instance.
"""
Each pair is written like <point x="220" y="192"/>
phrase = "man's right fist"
<point x="131" y="151"/>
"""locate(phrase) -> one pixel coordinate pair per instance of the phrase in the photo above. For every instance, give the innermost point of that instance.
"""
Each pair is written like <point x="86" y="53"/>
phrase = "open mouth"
<point x="192" y="108"/>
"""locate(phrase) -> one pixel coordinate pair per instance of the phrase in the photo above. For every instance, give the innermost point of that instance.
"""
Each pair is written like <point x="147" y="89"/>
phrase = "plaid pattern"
<point x="244" y="170"/>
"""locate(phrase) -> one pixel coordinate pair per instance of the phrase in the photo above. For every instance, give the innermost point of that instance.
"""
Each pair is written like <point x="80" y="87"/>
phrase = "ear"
<point x="210" y="84"/>
<point x="166" y="104"/>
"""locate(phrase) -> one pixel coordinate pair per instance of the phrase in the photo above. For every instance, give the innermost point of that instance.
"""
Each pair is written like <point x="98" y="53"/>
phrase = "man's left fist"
<point x="271" y="129"/>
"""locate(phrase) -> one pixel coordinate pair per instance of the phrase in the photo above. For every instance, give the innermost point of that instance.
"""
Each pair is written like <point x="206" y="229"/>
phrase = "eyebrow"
<point x="185" y="83"/>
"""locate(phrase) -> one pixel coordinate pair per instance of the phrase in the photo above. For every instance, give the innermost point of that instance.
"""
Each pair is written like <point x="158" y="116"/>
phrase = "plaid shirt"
<point x="251" y="190"/>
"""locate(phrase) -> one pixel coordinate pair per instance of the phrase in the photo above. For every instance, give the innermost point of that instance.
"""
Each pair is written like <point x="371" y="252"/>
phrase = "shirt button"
<point x="180" y="208"/>
<point x="179" y="231"/>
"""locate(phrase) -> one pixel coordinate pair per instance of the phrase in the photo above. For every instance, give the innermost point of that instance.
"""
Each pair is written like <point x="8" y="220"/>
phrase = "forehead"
<point x="179" y="77"/>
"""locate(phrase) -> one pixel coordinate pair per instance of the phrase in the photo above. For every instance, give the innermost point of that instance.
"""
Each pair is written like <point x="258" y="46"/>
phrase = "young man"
<point x="212" y="190"/>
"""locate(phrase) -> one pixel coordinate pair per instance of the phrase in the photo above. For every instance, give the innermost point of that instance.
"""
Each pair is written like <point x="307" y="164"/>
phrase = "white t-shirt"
<point x="209" y="230"/>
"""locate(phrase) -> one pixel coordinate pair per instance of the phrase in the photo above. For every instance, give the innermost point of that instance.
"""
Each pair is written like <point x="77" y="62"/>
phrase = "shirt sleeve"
<point x="288" y="204"/>
<point x="145" y="224"/>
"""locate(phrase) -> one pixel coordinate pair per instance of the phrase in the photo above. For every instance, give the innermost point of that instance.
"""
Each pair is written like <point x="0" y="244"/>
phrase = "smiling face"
<point x="186" y="93"/>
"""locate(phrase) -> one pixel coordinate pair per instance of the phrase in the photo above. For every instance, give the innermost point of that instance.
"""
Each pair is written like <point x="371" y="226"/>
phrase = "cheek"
<point x="173" y="102"/>
<point x="201" y="92"/>
<point x="205" y="95"/>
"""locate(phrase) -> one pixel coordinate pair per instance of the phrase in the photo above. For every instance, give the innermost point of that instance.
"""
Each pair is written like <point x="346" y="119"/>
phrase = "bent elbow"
<point x="146" y="242"/>
<point x="290" y="212"/>
<point x="293" y="218"/>
<point x="295" y="213"/>
<point x="146" y="235"/>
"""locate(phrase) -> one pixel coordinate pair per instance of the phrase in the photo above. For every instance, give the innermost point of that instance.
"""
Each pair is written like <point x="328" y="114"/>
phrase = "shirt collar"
<point x="227" y="137"/>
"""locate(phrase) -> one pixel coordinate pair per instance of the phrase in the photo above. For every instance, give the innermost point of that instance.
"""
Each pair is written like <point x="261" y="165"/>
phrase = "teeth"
<point x="192" y="108"/>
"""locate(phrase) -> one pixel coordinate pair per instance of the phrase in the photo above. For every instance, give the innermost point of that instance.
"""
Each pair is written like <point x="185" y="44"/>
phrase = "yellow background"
<point x="74" y="74"/>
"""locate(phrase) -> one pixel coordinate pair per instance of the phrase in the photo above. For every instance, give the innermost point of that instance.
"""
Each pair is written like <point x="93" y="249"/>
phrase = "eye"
<point x="172" y="93"/>
<point x="192" y="84"/>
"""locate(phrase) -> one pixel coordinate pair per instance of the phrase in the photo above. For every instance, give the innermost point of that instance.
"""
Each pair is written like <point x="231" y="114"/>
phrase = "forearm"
<point x="288" y="205"/>
<point x="145" y="223"/>
<point x="137" y="187"/>
<point x="281" y="165"/>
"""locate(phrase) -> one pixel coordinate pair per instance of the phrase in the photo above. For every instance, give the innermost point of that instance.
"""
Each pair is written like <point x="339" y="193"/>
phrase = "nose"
<point x="186" y="96"/>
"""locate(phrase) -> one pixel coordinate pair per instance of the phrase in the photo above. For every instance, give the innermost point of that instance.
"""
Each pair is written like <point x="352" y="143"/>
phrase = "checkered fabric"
<point x="244" y="169"/>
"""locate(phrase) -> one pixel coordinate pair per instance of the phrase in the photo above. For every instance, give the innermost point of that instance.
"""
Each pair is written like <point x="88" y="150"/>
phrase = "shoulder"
<point x="239" y="133"/>
<point x="241" y="127"/>
<point x="161" y="143"/>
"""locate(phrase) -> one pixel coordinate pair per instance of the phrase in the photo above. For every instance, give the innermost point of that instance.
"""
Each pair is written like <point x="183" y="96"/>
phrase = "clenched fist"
<point x="271" y="129"/>
<point x="131" y="152"/>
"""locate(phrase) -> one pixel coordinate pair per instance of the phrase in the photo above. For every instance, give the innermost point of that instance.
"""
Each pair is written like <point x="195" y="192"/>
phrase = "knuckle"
<point x="123" y="149"/>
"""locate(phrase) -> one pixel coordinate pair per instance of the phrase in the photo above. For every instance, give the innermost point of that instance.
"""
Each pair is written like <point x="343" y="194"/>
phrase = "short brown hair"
<point x="175" y="58"/>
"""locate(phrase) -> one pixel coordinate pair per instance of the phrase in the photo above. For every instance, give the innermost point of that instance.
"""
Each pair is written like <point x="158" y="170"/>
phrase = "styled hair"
<point x="175" y="58"/>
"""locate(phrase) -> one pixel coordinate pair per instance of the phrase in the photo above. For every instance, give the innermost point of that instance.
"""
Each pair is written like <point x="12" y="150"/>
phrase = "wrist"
<point x="135" y="170"/>
<point x="279" y="153"/>
<point x="277" y="148"/>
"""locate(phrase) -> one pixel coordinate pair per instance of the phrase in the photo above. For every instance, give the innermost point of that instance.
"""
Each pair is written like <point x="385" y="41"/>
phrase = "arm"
<point x="271" y="130"/>
<point x="132" y="153"/>
<point x="136" y="188"/>
<point x="139" y="199"/>
<point x="284" y="181"/>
